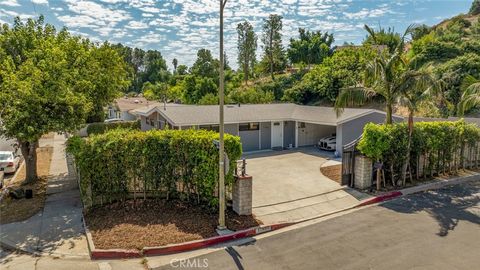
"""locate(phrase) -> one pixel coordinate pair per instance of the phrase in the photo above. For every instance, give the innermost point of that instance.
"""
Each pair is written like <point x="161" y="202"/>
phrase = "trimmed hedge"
<point x="159" y="163"/>
<point x="443" y="146"/>
<point x="100" y="128"/>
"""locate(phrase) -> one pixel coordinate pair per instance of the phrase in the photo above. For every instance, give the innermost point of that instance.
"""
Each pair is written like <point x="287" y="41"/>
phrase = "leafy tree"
<point x="205" y="65"/>
<point x="39" y="79"/>
<point x="415" y="87"/>
<point x="420" y="31"/>
<point x="453" y="72"/>
<point x="383" y="78"/>
<point x="274" y="54"/>
<point x="175" y="64"/>
<point x="470" y="95"/>
<point x="155" y="67"/>
<point x="247" y="47"/>
<point x="310" y="48"/>
<point x="323" y="82"/>
<point x="209" y="99"/>
<point x="382" y="36"/>
<point x="182" y="70"/>
<point x="106" y="75"/>
<point x="197" y="87"/>
<point x="252" y="95"/>
<point x="475" y="8"/>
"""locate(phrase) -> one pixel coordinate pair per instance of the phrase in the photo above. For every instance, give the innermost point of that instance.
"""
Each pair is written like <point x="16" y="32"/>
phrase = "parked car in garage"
<point x="328" y="143"/>
<point x="9" y="161"/>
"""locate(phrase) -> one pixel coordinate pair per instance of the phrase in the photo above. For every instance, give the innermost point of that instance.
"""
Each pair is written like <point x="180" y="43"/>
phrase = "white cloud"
<point x="367" y="13"/>
<point x="11" y="3"/>
<point x="101" y="14"/>
<point x="40" y="2"/>
<point x="136" y="25"/>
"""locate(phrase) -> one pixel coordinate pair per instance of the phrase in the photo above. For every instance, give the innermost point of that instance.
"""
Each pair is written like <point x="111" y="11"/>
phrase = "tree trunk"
<point x="388" y="119"/>
<point x="29" y="152"/>
<point x="407" y="160"/>
<point x="271" y="54"/>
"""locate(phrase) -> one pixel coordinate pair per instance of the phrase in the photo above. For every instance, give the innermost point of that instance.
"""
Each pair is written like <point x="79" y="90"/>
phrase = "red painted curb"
<point x="98" y="254"/>
<point x="381" y="198"/>
<point x="164" y="250"/>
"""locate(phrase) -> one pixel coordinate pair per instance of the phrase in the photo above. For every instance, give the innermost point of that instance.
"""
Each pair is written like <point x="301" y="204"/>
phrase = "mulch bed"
<point x="334" y="172"/>
<point x="13" y="210"/>
<point x="152" y="223"/>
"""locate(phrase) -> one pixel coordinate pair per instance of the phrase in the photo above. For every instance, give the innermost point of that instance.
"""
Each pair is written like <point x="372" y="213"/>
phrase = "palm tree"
<point x="470" y="95"/>
<point x="382" y="78"/>
<point x="415" y="87"/>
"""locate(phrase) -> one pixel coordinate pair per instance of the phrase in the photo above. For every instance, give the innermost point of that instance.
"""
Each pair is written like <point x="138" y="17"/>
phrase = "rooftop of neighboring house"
<point x="125" y="104"/>
<point x="209" y="114"/>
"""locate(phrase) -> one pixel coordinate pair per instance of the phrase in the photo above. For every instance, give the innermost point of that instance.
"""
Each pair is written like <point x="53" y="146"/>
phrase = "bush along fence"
<point x="100" y="128"/>
<point x="121" y="164"/>
<point x="436" y="148"/>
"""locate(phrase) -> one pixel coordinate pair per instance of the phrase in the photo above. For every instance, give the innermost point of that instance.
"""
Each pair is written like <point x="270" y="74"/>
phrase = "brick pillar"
<point x="242" y="195"/>
<point x="363" y="172"/>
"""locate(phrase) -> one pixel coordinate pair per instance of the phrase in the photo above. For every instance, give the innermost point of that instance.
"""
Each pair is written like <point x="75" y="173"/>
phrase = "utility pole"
<point x="221" y="179"/>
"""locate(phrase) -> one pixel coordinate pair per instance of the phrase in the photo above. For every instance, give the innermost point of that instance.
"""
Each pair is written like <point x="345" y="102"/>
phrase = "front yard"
<point x="13" y="210"/>
<point x="156" y="223"/>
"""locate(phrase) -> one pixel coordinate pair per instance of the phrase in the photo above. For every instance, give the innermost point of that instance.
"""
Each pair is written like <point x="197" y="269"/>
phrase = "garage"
<point x="310" y="134"/>
<point x="250" y="136"/>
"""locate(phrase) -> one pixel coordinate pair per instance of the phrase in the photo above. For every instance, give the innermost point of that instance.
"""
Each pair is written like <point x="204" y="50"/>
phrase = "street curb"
<point x="415" y="189"/>
<point x="188" y="246"/>
<point x="380" y="198"/>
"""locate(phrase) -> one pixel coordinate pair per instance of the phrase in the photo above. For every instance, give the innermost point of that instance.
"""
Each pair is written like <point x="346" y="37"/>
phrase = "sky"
<point x="178" y="28"/>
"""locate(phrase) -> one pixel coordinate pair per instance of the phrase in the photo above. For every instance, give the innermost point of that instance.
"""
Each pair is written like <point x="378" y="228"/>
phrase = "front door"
<point x="277" y="134"/>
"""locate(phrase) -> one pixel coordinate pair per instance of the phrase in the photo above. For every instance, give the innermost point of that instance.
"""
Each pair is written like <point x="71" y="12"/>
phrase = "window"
<point x="301" y="124"/>
<point x="248" y="126"/>
<point x="276" y="124"/>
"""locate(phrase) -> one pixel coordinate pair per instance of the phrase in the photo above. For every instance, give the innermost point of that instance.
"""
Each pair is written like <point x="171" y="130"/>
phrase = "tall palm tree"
<point x="415" y="87"/>
<point x="382" y="79"/>
<point x="470" y="95"/>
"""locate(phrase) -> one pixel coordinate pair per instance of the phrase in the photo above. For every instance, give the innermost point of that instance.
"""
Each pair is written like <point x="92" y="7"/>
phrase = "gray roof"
<point x="209" y="114"/>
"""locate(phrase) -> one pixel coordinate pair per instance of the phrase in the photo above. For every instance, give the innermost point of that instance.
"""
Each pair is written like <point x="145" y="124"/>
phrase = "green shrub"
<point x="164" y="163"/>
<point x="100" y="128"/>
<point x="442" y="144"/>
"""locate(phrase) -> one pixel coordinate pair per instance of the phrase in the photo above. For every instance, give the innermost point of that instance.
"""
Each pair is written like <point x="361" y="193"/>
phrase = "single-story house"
<point x="267" y="126"/>
<point x="122" y="108"/>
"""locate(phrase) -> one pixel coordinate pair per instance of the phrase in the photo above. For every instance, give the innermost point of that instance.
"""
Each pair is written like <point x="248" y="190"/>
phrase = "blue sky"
<point x="178" y="28"/>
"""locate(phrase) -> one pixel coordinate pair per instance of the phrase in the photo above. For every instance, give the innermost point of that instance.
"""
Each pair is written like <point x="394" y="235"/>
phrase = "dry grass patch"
<point x="334" y="172"/>
<point x="12" y="210"/>
<point x="156" y="223"/>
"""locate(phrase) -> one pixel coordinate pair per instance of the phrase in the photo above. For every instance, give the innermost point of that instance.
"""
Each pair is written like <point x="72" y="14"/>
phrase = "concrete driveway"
<point x="288" y="185"/>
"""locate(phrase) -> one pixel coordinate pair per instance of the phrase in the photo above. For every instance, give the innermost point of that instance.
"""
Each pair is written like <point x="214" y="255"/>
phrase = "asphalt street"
<point x="431" y="230"/>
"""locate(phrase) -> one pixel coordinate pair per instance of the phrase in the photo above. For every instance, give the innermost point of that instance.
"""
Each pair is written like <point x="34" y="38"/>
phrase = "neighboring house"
<point x="123" y="108"/>
<point x="266" y="126"/>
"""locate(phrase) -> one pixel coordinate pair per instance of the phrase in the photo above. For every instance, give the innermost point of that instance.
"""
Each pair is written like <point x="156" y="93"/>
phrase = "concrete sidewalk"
<point x="58" y="229"/>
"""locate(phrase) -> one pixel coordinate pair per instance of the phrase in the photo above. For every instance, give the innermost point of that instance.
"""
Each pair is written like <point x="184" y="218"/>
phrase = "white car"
<point x="9" y="161"/>
<point x="328" y="143"/>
